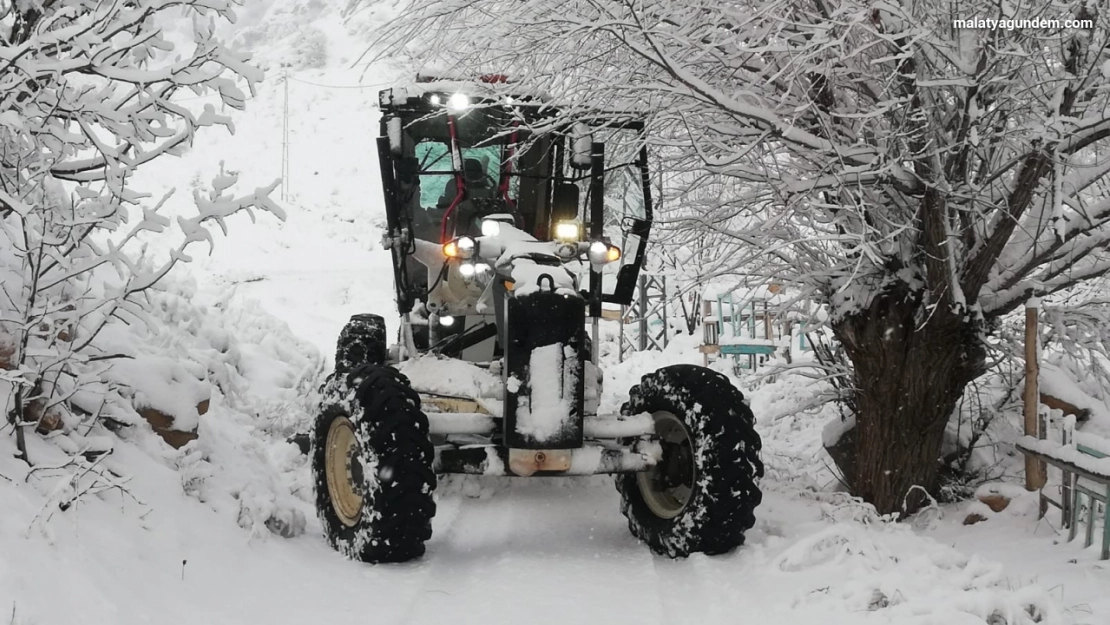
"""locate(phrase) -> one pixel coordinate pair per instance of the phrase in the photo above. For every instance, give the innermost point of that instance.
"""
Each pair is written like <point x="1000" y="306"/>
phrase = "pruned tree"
<point x="919" y="178"/>
<point x="87" y="100"/>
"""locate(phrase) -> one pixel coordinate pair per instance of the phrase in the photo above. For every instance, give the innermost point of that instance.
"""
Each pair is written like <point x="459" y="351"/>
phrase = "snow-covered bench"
<point x="1085" y="462"/>
<point x="743" y="325"/>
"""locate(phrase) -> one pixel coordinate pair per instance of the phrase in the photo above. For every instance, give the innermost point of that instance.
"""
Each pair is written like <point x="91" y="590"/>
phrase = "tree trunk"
<point x="911" y="365"/>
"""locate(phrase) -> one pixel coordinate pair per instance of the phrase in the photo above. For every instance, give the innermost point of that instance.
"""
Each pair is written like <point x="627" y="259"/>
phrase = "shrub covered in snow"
<point x="88" y="92"/>
<point x="259" y="383"/>
<point x="96" y="337"/>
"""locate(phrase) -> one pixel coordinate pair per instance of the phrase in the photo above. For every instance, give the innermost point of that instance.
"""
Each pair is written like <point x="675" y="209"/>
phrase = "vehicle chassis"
<point x="471" y="439"/>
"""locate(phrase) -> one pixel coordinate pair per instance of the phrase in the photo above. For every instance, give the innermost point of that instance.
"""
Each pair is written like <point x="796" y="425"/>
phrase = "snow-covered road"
<point x="544" y="551"/>
<point x="535" y="552"/>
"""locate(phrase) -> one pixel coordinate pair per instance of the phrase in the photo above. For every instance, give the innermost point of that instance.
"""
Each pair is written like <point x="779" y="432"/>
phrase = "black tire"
<point x="393" y="471"/>
<point x="362" y="341"/>
<point x="722" y="494"/>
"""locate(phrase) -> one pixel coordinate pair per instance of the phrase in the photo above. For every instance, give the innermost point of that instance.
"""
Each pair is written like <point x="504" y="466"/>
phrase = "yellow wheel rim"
<point x="341" y="467"/>
<point x="668" y="486"/>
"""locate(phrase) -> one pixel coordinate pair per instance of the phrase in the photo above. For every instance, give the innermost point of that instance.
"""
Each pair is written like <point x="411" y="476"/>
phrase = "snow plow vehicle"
<point x="503" y="225"/>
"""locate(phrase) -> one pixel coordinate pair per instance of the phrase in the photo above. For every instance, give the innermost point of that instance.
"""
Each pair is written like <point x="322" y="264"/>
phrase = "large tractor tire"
<point x="362" y="341"/>
<point x="702" y="495"/>
<point x="372" y="466"/>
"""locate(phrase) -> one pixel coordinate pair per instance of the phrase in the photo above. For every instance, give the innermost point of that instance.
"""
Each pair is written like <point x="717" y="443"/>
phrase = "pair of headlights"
<point x="455" y="103"/>
<point x="599" y="252"/>
<point x="465" y="249"/>
<point x="462" y="247"/>
<point x="458" y="102"/>
<point x="569" y="233"/>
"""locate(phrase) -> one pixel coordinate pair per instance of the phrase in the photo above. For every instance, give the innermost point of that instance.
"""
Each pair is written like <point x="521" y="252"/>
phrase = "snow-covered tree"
<point x="921" y="177"/>
<point x="87" y="99"/>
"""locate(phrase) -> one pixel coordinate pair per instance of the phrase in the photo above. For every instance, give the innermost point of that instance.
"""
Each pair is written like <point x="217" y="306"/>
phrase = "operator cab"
<point x="456" y="153"/>
<point x="458" y="157"/>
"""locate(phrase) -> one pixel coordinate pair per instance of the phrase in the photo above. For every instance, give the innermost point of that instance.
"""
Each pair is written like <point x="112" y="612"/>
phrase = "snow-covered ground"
<point x="189" y="537"/>
<point x="183" y="546"/>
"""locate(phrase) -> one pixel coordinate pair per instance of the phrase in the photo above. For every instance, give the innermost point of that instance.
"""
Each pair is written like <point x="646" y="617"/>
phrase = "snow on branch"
<point x="884" y="143"/>
<point x="88" y="91"/>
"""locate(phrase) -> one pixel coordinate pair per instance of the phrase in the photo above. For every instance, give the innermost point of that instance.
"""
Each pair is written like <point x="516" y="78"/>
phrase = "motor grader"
<point x="509" y="227"/>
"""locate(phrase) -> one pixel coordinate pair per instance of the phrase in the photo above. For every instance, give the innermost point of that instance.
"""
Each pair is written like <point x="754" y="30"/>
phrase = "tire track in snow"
<point x="542" y="551"/>
<point x="393" y="589"/>
<point x="705" y="589"/>
<point x="455" y="572"/>
<point x="681" y="590"/>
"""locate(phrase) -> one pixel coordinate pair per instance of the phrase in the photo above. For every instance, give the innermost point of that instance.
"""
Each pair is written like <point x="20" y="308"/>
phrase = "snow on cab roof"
<point x="495" y="86"/>
<point x="482" y="85"/>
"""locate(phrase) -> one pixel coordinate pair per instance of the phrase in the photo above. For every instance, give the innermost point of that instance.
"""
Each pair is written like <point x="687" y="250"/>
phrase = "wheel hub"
<point x="667" y="488"/>
<point x="344" y="471"/>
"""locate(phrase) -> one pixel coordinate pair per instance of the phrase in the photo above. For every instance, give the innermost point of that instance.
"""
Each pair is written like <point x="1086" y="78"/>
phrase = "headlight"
<point x="467" y="247"/>
<point x="601" y="252"/>
<point x="462" y="247"/>
<point x="490" y="228"/>
<point x="568" y="231"/>
<point x="434" y="99"/>
<point x="467" y="270"/>
<point x="458" y="102"/>
<point x="447" y="322"/>
<point x="598" y="252"/>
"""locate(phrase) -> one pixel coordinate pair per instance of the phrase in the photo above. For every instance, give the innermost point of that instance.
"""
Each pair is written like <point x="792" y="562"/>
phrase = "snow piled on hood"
<point x="450" y="377"/>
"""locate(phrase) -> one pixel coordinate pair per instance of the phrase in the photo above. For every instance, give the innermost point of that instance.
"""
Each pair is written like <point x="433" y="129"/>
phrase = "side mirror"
<point x="628" y="274"/>
<point x="626" y="285"/>
<point x="582" y="140"/>
<point x="564" y="203"/>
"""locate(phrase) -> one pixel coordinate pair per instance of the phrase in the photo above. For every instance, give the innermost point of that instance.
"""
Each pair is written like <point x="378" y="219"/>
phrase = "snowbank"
<point x="128" y="488"/>
<point x="905" y="579"/>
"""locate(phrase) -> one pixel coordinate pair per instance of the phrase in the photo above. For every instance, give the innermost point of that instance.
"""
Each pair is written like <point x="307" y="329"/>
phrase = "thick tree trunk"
<point x="911" y="366"/>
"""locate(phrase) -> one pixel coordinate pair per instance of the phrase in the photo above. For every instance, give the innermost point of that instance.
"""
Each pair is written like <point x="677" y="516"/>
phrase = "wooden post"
<point x="767" y="332"/>
<point x="709" y="330"/>
<point x="1066" y="497"/>
<point x="1042" y="430"/>
<point x="1034" y="469"/>
<point x="788" y="332"/>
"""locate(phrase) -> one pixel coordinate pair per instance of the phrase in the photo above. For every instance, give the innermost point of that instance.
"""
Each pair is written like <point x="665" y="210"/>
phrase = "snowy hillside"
<point x="324" y="263"/>
<point x="222" y="531"/>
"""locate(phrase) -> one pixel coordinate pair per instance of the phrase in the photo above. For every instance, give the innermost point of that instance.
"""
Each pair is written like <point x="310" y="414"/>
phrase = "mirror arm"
<point x="645" y="180"/>
<point x="597" y="219"/>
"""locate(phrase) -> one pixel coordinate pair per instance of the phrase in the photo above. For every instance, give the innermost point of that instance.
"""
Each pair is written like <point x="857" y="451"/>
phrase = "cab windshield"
<point x="482" y="174"/>
<point x="501" y="171"/>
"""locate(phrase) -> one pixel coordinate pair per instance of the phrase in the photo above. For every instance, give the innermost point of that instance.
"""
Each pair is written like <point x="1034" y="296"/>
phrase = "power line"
<point x="285" y="119"/>
<point x="316" y="84"/>
<point x="196" y="97"/>
<point x="286" y="78"/>
<point x="285" y="143"/>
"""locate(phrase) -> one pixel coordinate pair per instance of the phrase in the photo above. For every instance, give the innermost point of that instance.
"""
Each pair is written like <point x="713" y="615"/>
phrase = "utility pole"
<point x="1034" y="469"/>
<point x="285" y="141"/>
